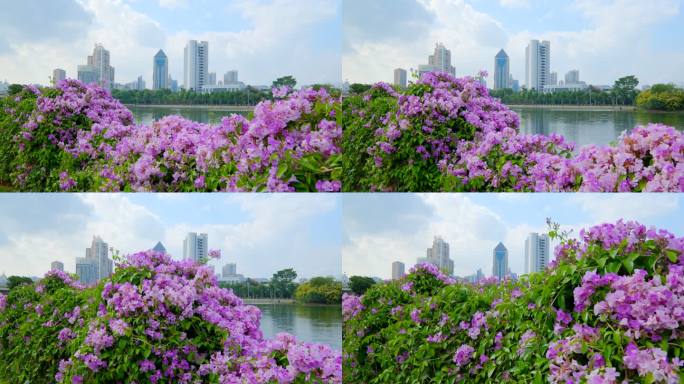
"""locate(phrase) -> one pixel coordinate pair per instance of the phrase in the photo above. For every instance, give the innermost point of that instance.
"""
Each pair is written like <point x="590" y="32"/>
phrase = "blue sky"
<point x="604" y="39"/>
<point x="262" y="39"/>
<point x="261" y="233"/>
<point x="382" y="228"/>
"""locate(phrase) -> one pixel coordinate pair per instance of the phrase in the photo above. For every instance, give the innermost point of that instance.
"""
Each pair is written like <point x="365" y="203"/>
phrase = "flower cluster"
<point x="156" y="320"/>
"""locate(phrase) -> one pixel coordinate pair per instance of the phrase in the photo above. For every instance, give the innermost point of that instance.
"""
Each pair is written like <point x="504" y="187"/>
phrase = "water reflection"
<point x="146" y="115"/>
<point x="590" y="127"/>
<point x="316" y="324"/>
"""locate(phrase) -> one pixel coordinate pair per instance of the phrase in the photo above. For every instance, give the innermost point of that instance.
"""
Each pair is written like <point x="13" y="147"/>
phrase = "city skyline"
<point x="262" y="234"/>
<point x="380" y="230"/>
<point x="585" y="35"/>
<point x="247" y="36"/>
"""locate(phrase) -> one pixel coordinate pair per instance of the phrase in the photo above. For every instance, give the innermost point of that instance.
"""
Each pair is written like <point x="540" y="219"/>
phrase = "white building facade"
<point x="196" y="65"/>
<point x="536" y="252"/>
<point x="537" y="64"/>
<point x="195" y="246"/>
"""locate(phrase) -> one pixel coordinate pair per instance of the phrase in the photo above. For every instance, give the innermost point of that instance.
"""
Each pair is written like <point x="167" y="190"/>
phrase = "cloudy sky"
<point x="382" y="228"/>
<point x="604" y="39"/>
<point x="262" y="39"/>
<point x="261" y="233"/>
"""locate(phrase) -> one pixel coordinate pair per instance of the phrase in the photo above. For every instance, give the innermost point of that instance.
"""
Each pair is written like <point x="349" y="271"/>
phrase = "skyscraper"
<point x="441" y="59"/>
<point x="229" y="269"/>
<point x="96" y="264"/>
<point x="159" y="247"/>
<point x="212" y="78"/>
<point x="195" y="247"/>
<point x="536" y="252"/>
<point x="500" y="261"/>
<point x="196" y="65"/>
<point x="400" y="77"/>
<point x="397" y="270"/>
<point x="98" y="70"/>
<point x="438" y="255"/>
<point x="537" y="64"/>
<point x="502" y="73"/>
<point x="58" y="75"/>
<point x="572" y="77"/>
<point x="553" y="78"/>
<point x="230" y="77"/>
<point x="160" y="71"/>
<point x="57" y="265"/>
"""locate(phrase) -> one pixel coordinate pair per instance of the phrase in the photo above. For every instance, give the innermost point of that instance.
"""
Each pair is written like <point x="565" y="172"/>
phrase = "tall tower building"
<point x="196" y="65"/>
<point x="159" y="247"/>
<point x="96" y="264"/>
<point x="229" y="269"/>
<point x="212" y="78"/>
<point x="98" y="70"/>
<point x="195" y="247"/>
<point x="57" y="265"/>
<point x="441" y="59"/>
<point x="397" y="270"/>
<point x="572" y="77"/>
<point x="536" y="252"/>
<point x="160" y="71"/>
<point x="58" y="75"/>
<point x="438" y="255"/>
<point x="230" y="77"/>
<point x="502" y="72"/>
<point x="537" y="64"/>
<point x="500" y="261"/>
<point x="400" y="77"/>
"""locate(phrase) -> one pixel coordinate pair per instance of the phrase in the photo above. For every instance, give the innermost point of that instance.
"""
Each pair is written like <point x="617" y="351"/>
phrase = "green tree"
<point x="358" y="88"/>
<point x="360" y="284"/>
<point x="285" y="80"/>
<point x="625" y="89"/>
<point x="283" y="282"/>
<point x="13" y="89"/>
<point x="16" y="281"/>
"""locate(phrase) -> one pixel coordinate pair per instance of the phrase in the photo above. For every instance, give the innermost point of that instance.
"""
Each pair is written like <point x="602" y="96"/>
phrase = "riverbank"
<point x="599" y="108"/>
<point x="268" y="301"/>
<point x="236" y="108"/>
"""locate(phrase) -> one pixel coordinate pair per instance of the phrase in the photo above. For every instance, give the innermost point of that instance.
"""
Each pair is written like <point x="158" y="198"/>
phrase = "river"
<point x="312" y="323"/>
<point x="590" y="127"/>
<point x="211" y="115"/>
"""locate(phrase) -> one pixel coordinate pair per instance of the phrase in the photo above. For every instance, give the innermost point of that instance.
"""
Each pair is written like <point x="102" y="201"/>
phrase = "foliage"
<point x="662" y="97"/>
<point x="625" y="89"/>
<point x="247" y="96"/>
<point x="250" y="289"/>
<point x="13" y="89"/>
<point x="358" y="88"/>
<point x="285" y="81"/>
<point x="590" y="96"/>
<point x="283" y="283"/>
<point x="319" y="290"/>
<point x="449" y="134"/>
<point x="360" y="284"/>
<point x="155" y="320"/>
<point x="78" y="138"/>
<point x="607" y="310"/>
<point x="16" y="281"/>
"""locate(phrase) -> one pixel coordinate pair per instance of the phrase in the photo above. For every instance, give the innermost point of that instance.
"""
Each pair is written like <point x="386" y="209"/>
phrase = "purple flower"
<point x="463" y="355"/>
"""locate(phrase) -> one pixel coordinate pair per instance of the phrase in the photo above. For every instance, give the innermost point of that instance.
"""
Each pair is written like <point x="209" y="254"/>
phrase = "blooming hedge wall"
<point x="155" y="320"/>
<point x="76" y="137"/>
<point x="447" y="134"/>
<point x="610" y="309"/>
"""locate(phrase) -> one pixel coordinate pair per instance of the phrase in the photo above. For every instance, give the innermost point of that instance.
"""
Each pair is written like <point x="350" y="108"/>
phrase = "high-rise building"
<point x="230" y="77"/>
<point x="553" y="78"/>
<point x="536" y="252"/>
<point x="98" y="70"/>
<point x="195" y="247"/>
<point x="441" y="59"/>
<point x="96" y="264"/>
<point x="438" y="255"/>
<point x="58" y="75"/>
<point x="397" y="270"/>
<point x="572" y="77"/>
<point x="160" y="71"/>
<point x="196" y="65"/>
<point x="57" y="265"/>
<point x="159" y="247"/>
<point x="212" y="78"/>
<point x="537" y="64"/>
<point x="229" y="269"/>
<point x="502" y="73"/>
<point x="500" y="261"/>
<point x="400" y="77"/>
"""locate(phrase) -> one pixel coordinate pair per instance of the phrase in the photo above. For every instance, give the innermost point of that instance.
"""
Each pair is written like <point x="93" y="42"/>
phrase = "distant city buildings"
<point x="400" y="77"/>
<point x="500" y="262"/>
<point x="502" y="73"/>
<point x="536" y="252"/>
<point x="230" y="77"/>
<point x="57" y="265"/>
<point x="230" y="274"/>
<point x="572" y="77"/>
<point x="397" y="270"/>
<point x="159" y="247"/>
<point x="195" y="247"/>
<point x="476" y="277"/>
<point x="537" y="64"/>
<point x="553" y="78"/>
<point x="439" y="61"/>
<point x="98" y="69"/>
<point x="137" y="85"/>
<point x="160" y="71"/>
<point x="58" y="75"/>
<point x="96" y="264"/>
<point x="212" y="78"/>
<point x="438" y="255"/>
<point x="196" y="65"/>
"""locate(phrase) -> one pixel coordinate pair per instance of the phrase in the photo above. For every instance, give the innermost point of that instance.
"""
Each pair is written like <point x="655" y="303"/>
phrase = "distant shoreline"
<point x="285" y="301"/>
<point x="602" y="108"/>
<point x="235" y="108"/>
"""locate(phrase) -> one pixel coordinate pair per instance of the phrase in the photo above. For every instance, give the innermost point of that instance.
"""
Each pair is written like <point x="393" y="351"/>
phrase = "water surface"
<point x="312" y="323"/>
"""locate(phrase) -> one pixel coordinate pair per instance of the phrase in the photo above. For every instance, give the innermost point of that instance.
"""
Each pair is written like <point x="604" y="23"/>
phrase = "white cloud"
<point x="514" y="3"/>
<point x="639" y="207"/>
<point x="171" y="4"/>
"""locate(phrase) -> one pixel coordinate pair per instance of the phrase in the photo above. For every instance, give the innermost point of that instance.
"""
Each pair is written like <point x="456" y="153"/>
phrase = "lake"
<point x="590" y="127"/>
<point x="209" y="114"/>
<point x="312" y="323"/>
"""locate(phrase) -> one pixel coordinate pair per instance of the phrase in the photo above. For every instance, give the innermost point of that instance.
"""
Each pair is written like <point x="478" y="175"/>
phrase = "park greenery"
<point x="244" y="97"/>
<point x="661" y="97"/>
<point x="607" y="310"/>
<point x="360" y="284"/>
<point x="155" y="320"/>
<point x="17" y="281"/>
<point x="319" y="290"/>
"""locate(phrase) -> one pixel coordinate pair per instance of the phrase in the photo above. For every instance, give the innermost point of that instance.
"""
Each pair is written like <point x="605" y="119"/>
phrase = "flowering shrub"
<point x="447" y="134"/>
<point x="155" y="320"/>
<point x="78" y="138"/>
<point x="609" y="310"/>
